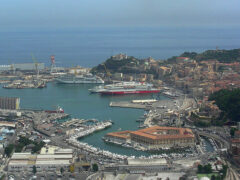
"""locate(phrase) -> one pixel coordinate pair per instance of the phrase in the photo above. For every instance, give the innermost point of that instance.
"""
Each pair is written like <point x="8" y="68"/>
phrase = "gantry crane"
<point x="36" y="65"/>
<point x="107" y="72"/>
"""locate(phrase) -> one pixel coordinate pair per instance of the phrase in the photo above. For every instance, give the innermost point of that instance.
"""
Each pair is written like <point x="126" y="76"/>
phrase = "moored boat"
<point x="125" y="88"/>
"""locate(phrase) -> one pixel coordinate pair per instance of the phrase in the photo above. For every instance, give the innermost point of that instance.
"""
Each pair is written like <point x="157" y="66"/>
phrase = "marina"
<point x="80" y="104"/>
<point x="77" y="122"/>
<point x="19" y="84"/>
<point x="77" y="102"/>
<point x="84" y="131"/>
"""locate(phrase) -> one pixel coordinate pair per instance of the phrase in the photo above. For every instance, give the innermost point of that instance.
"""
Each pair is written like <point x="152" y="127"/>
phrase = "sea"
<point x="88" y="47"/>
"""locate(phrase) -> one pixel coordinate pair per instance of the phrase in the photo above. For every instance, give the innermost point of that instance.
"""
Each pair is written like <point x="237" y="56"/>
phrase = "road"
<point x="231" y="173"/>
<point x="223" y="143"/>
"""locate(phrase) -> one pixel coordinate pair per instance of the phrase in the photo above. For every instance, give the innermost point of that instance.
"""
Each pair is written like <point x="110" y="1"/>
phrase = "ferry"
<point x="79" y="79"/>
<point x="125" y="88"/>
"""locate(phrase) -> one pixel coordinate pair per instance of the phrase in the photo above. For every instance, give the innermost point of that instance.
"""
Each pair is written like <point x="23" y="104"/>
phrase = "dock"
<point x="77" y="122"/>
<point x="127" y="104"/>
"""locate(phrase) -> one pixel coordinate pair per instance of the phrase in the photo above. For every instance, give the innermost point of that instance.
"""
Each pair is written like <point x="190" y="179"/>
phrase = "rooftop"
<point x="157" y="132"/>
<point x="122" y="134"/>
<point x="146" y="161"/>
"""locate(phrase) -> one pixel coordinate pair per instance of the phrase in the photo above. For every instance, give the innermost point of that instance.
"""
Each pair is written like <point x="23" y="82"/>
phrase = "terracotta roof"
<point x="235" y="140"/>
<point x="151" y="133"/>
<point x="122" y="134"/>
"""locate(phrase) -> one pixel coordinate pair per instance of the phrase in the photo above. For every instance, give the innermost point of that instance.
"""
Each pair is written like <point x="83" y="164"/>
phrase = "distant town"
<point x="192" y="133"/>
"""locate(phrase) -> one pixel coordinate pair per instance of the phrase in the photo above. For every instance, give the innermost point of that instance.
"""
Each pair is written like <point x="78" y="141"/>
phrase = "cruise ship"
<point x="125" y="88"/>
<point x="79" y="79"/>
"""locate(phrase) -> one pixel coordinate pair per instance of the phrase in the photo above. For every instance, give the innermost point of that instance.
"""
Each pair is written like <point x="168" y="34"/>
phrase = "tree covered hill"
<point x="224" y="56"/>
<point x="126" y="65"/>
<point x="229" y="102"/>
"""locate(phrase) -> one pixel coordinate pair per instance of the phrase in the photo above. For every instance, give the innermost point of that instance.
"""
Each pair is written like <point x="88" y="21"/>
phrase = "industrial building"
<point x="9" y="103"/>
<point x="23" y="67"/>
<point x="155" y="137"/>
<point x="29" y="66"/>
<point x="142" y="166"/>
<point x="5" y="68"/>
<point x="51" y="158"/>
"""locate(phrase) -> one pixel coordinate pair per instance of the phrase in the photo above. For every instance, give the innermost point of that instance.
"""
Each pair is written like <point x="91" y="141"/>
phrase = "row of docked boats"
<point x="88" y="148"/>
<point x="81" y="132"/>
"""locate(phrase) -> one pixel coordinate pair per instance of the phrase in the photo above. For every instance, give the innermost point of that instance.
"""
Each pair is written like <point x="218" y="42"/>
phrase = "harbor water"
<point x="79" y="103"/>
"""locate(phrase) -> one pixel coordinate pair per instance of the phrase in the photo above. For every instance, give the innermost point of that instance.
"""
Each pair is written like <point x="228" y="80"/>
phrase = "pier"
<point x="77" y="122"/>
<point x="127" y="104"/>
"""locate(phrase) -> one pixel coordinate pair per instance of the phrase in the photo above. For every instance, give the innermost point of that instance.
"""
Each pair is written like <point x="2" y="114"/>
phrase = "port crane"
<point x="36" y="65"/>
<point x="53" y="65"/>
<point x="107" y="72"/>
<point x="12" y="68"/>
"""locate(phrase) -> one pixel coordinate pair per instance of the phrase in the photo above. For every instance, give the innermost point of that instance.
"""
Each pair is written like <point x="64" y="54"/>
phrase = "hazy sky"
<point x="112" y="13"/>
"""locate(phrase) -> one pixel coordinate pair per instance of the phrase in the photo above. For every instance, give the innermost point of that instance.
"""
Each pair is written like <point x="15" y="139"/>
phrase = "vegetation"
<point x="37" y="146"/>
<point x="200" y="121"/>
<point x="224" y="171"/>
<point x="22" y="142"/>
<point x="229" y="102"/>
<point x="34" y="170"/>
<point x="62" y="170"/>
<point x="72" y="168"/>
<point x="191" y="55"/>
<point x="207" y="169"/>
<point x="232" y="131"/>
<point x="9" y="149"/>
<point x="224" y="56"/>
<point x="3" y="177"/>
<point x="207" y="175"/>
<point x="95" y="167"/>
<point x="112" y="65"/>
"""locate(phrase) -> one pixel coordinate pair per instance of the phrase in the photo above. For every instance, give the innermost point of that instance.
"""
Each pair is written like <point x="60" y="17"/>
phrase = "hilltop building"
<point x="119" y="56"/>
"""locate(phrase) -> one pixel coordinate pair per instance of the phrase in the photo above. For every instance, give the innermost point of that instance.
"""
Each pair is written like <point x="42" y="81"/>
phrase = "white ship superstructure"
<point x="125" y="88"/>
<point x="79" y="79"/>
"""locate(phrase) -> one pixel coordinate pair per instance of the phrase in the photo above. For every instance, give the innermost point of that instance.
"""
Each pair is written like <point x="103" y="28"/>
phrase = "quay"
<point x="127" y="104"/>
<point x="77" y="122"/>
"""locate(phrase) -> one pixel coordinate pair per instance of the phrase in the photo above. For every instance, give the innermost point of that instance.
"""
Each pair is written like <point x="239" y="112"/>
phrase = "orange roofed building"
<point x="155" y="137"/>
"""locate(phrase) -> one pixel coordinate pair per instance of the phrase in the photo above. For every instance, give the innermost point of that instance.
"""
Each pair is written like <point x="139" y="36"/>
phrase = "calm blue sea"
<point x="91" y="46"/>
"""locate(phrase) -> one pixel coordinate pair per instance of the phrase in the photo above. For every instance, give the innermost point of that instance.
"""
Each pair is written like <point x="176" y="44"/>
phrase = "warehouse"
<point x="9" y="103"/>
<point x="50" y="159"/>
